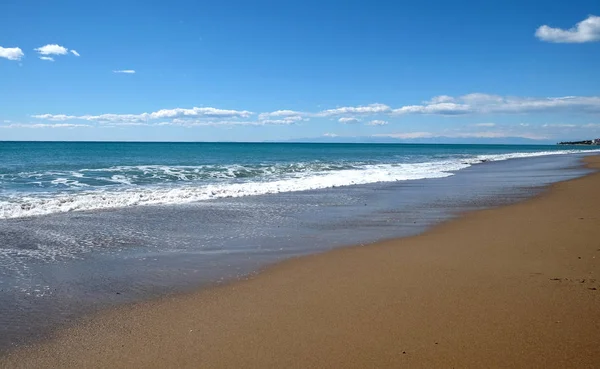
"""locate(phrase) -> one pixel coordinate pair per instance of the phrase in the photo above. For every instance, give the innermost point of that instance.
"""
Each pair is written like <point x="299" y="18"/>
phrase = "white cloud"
<point x="11" y="53"/>
<point x="437" y="108"/>
<point x="282" y="117"/>
<point x="286" y="120"/>
<point x="52" y="49"/>
<point x="474" y="103"/>
<point x="351" y="110"/>
<point x="374" y="114"/>
<point x="177" y="113"/>
<point x="55" y="117"/>
<point x="485" y="103"/>
<point x="587" y="30"/>
<point x="330" y="135"/>
<point x="198" y="112"/>
<point x="377" y="122"/>
<point x="125" y="71"/>
<point x="218" y="123"/>
<point x="129" y="124"/>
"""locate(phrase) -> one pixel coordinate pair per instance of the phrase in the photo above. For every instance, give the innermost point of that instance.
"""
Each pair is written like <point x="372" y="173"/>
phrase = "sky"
<point x="279" y="70"/>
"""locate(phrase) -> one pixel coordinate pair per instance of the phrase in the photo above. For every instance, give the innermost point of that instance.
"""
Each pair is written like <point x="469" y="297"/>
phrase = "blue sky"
<point x="278" y="70"/>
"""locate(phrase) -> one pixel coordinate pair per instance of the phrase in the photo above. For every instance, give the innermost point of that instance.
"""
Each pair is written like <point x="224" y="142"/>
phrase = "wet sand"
<point x="517" y="286"/>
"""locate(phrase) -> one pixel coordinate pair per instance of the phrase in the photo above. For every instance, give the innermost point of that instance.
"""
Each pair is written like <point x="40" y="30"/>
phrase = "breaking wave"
<point x="123" y="186"/>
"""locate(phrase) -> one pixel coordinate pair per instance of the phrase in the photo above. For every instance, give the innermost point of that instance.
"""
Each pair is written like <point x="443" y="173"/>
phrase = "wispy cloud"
<point x="485" y="103"/>
<point x="199" y="112"/>
<point x="356" y="110"/>
<point x="377" y="122"/>
<point x="561" y="125"/>
<point x="11" y="53"/>
<point x="436" y="108"/>
<point x="75" y="53"/>
<point x="193" y="117"/>
<point x="440" y="99"/>
<point x="484" y="134"/>
<point x="491" y="130"/>
<point x="220" y="123"/>
<point x="587" y="30"/>
<point x="282" y="117"/>
<point x="474" y="103"/>
<point x="348" y="120"/>
<point x="284" y="121"/>
<point x="128" y="124"/>
<point x="572" y="127"/>
<point x="372" y="115"/>
<point x="407" y="135"/>
<point x="125" y="71"/>
<point x="177" y="113"/>
<point x="46" y="125"/>
<point x="48" y="58"/>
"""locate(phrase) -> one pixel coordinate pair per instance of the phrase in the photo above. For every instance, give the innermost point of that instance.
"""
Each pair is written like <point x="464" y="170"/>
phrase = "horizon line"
<point x="280" y="142"/>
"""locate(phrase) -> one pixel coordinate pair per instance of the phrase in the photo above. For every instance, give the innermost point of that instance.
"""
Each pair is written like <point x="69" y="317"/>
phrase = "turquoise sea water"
<point x="39" y="178"/>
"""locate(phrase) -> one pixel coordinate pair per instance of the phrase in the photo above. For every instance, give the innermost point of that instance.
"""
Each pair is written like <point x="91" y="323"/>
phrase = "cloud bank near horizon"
<point x="471" y="104"/>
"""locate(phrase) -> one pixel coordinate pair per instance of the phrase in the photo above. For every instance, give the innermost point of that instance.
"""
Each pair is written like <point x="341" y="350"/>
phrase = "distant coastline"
<point x="584" y="142"/>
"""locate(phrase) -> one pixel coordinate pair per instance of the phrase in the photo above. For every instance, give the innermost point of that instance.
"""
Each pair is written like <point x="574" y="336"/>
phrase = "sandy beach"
<point x="510" y="287"/>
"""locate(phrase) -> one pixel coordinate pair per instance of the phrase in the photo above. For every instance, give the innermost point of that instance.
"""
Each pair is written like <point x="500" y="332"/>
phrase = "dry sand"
<point x="517" y="286"/>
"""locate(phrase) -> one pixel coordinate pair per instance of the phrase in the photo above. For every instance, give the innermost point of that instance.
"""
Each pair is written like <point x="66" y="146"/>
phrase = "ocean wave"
<point x="272" y="179"/>
<point x="140" y="175"/>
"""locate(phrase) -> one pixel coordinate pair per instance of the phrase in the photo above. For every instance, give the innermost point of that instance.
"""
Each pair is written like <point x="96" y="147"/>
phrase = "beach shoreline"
<point x="493" y="288"/>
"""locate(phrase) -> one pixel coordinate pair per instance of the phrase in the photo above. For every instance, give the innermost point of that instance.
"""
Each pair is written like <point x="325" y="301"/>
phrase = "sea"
<point x="86" y="226"/>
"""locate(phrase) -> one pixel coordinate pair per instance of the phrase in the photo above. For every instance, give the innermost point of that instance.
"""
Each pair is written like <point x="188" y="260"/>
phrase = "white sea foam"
<point x="517" y="155"/>
<point x="298" y="179"/>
